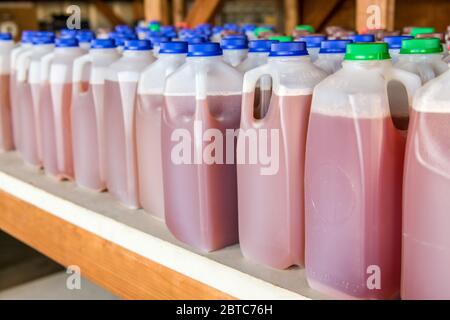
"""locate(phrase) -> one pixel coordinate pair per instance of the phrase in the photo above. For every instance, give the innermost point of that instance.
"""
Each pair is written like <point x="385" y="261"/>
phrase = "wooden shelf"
<point x="128" y="252"/>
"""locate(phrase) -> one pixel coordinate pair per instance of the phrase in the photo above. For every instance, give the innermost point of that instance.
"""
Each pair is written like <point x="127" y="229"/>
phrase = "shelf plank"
<point x="129" y="252"/>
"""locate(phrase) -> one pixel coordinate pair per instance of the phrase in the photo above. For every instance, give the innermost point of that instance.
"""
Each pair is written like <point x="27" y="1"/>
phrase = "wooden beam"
<point x="178" y="9"/>
<point x="202" y="11"/>
<point x="316" y="12"/>
<point x="375" y="14"/>
<point x="157" y="10"/>
<point x="108" y="12"/>
<point x="291" y="15"/>
<point x="122" y="272"/>
<point x="138" y="10"/>
<point x="333" y="10"/>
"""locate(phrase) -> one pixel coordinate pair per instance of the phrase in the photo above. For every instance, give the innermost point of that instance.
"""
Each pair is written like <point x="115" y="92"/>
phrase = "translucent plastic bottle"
<point x="422" y="57"/>
<point x="6" y="134"/>
<point x="55" y="105"/>
<point x="271" y="228"/>
<point x="156" y="42"/>
<point x="235" y="50"/>
<point x="395" y="44"/>
<point x="25" y="45"/>
<point x="148" y="125"/>
<point x="120" y="121"/>
<point x="87" y="117"/>
<point x="28" y="94"/>
<point x="353" y="177"/>
<point x="313" y="43"/>
<point x="426" y="219"/>
<point x="331" y="55"/>
<point x="200" y="196"/>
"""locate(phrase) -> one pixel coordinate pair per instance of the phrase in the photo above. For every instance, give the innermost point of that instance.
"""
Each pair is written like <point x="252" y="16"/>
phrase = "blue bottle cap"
<point x="313" y="41"/>
<point x="66" y="42"/>
<point x="85" y="36"/>
<point x="260" y="45"/>
<point x="395" y="42"/>
<point x="194" y="39"/>
<point x="165" y="29"/>
<point x="249" y="27"/>
<point x="334" y="46"/>
<point x="5" y="36"/>
<point x="288" y="49"/>
<point x="174" y="47"/>
<point x="27" y="36"/>
<point x="68" y="32"/>
<point x="208" y="49"/>
<point x="234" y="43"/>
<point x="103" y="44"/>
<point x="38" y="40"/>
<point x="158" y="40"/>
<point x="217" y="29"/>
<point x="362" y="37"/>
<point x="138" y="45"/>
<point x="123" y="28"/>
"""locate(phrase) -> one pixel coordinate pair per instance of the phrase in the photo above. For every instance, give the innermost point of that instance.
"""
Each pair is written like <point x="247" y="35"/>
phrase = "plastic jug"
<point x="88" y="141"/>
<point x="271" y="229"/>
<point x="6" y="134"/>
<point x="200" y="196"/>
<point x="25" y="45"/>
<point x="440" y="36"/>
<point x="148" y="125"/>
<point x="422" y="57"/>
<point x="313" y="43"/>
<point x="257" y="56"/>
<point x="353" y="178"/>
<point x="120" y="121"/>
<point x="28" y="95"/>
<point x="235" y="50"/>
<point x="55" y="108"/>
<point x="426" y="220"/>
<point x="331" y="55"/>
<point x="395" y="44"/>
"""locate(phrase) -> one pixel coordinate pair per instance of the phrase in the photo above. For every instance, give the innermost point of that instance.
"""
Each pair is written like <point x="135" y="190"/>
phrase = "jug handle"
<point x="250" y="80"/>
<point x="23" y="62"/>
<point x="78" y="65"/>
<point x="426" y="73"/>
<point x="45" y="66"/>
<point x="411" y="81"/>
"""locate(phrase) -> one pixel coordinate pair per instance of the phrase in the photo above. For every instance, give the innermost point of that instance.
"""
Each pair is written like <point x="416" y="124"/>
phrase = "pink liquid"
<point x="353" y="194"/>
<point x="426" y="218"/>
<point x="6" y="135"/>
<point x="200" y="199"/>
<point x="28" y="125"/>
<point x="148" y="135"/>
<point x="271" y="207"/>
<point x="120" y="142"/>
<point x="86" y="152"/>
<point x="47" y="119"/>
<point x="14" y="109"/>
<point x="61" y="99"/>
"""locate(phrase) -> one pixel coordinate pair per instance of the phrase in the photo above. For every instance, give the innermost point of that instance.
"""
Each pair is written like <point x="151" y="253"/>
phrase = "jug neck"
<point x="68" y="51"/>
<point x="420" y="57"/>
<point x="213" y="59"/>
<point x="7" y="44"/>
<point x="43" y="48"/>
<point x="366" y="64"/>
<point x="138" y="54"/>
<point x="294" y="59"/>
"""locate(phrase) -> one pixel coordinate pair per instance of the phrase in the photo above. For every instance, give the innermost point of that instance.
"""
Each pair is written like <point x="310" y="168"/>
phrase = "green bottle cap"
<point x="305" y="27"/>
<point x="367" y="51"/>
<point x="419" y="30"/>
<point x="281" y="38"/>
<point x="421" y="46"/>
<point x="260" y="30"/>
